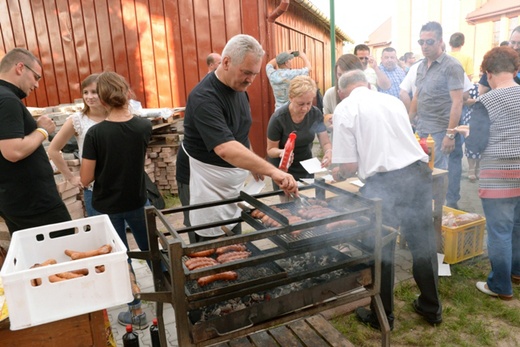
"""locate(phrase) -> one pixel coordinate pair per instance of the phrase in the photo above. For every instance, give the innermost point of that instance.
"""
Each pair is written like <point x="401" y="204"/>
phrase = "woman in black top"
<point x="113" y="157"/>
<point x="306" y="120"/>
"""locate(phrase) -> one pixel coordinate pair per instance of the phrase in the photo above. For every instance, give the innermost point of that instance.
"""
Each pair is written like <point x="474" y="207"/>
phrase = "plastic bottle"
<point x="154" y="334"/>
<point x="130" y="339"/>
<point x="287" y="152"/>
<point x="430" y="143"/>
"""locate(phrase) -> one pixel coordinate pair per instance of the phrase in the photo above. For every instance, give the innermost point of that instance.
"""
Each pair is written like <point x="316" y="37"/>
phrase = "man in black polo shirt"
<point x="216" y="135"/>
<point x="28" y="194"/>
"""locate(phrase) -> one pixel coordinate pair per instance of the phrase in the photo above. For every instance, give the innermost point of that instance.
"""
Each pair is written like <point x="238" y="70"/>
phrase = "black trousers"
<point x="56" y="214"/>
<point x="407" y="204"/>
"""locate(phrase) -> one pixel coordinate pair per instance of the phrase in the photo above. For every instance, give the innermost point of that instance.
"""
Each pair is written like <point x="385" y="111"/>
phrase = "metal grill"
<point x="300" y="273"/>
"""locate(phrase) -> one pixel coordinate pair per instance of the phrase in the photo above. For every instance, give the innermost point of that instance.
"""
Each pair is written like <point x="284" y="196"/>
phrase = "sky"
<point x="358" y="18"/>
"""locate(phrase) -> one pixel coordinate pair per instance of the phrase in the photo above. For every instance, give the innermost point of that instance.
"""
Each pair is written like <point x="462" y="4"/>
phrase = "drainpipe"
<point x="281" y="9"/>
<point x="333" y="40"/>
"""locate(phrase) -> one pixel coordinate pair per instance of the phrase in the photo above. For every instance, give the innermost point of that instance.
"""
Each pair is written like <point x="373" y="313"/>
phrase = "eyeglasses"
<point x="429" y="42"/>
<point x="514" y="43"/>
<point x="363" y="58"/>
<point x="37" y="77"/>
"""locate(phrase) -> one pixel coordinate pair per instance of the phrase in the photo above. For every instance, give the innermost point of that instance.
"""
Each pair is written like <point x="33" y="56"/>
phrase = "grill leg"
<point x="383" y="321"/>
<point x="160" y="323"/>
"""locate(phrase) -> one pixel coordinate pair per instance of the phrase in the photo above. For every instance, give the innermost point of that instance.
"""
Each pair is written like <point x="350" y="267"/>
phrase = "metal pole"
<point x="332" y="41"/>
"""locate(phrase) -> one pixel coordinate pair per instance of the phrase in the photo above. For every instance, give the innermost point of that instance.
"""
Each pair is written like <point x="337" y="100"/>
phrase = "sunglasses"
<point x="429" y="42"/>
<point x="363" y="58"/>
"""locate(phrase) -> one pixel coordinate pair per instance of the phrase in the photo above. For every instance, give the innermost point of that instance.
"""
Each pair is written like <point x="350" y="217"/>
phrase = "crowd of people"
<point x="371" y="114"/>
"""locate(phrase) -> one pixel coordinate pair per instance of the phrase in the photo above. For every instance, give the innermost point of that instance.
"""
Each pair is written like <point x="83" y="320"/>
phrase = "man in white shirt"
<point x="373" y="138"/>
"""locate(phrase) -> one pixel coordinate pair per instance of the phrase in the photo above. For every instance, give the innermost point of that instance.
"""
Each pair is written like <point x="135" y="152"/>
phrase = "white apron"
<point x="213" y="183"/>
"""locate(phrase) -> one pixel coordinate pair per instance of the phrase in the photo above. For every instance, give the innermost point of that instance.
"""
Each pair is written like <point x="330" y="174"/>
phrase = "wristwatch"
<point x="450" y="136"/>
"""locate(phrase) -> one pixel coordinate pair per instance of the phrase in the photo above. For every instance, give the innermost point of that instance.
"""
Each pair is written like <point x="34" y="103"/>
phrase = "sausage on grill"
<point x="223" y="276"/>
<point x="231" y="248"/>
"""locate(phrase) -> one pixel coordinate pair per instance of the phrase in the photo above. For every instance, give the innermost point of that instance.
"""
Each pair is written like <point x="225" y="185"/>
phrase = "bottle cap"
<point x="129" y="328"/>
<point x="154" y="321"/>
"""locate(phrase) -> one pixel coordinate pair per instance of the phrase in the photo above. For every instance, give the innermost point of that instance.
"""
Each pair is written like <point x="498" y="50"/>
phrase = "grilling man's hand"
<point x="286" y="182"/>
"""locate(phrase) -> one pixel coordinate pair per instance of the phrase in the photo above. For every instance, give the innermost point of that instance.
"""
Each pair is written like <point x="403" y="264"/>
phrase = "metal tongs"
<point x="302" y="200"/>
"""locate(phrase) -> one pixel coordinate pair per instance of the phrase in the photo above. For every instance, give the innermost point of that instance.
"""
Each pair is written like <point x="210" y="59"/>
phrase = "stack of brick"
<point x="163" y="157"/>
<point x="163" y="149"/>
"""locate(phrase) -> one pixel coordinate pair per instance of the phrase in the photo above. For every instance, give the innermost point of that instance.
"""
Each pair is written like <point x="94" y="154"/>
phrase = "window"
<point x="496" y="33"/>
<point x="513" y="23"/>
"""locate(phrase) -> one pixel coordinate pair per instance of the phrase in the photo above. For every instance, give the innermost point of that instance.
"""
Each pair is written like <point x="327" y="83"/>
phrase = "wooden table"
<point x="439" y="188"/>
<point x="80" y="331"/>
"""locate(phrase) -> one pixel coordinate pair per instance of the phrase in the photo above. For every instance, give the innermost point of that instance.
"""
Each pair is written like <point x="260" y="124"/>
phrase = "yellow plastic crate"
<point x="463" y="242"/>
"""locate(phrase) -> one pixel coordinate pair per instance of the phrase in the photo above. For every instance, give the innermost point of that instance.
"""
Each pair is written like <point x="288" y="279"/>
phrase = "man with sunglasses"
<point x="437" y="103"/>
<point x="28" y="194"/>
<point x="376" y="77"/>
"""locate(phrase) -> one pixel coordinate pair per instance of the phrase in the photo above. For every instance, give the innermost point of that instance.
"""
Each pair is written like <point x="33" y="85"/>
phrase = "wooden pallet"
<point x="314" y="331"/>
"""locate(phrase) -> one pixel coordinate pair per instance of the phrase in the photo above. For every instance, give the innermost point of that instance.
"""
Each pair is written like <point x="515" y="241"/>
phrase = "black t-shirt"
<point x="27" y="187"/>
<point x="119" y="149"/>
<point x="215" y="114"/>
<point x="281" y="125"/>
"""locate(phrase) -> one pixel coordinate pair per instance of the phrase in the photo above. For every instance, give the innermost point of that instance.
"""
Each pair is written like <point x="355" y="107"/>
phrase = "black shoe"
<point x="419" y="311"/>
<point x="366" y="316"/>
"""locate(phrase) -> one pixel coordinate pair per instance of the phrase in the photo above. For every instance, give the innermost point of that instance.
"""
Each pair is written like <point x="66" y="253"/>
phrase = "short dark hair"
<point x="504" y="43"/>
<point x="457" y="40"/>
<point x="210" y="59"/>
<point x="388" y="49"/>
<point x="17" y="55"/>
<point x="408" y="55"/>
<point x="361" y="47"/>
<point x="501" y="59"/>
<point x="435" y="27"/>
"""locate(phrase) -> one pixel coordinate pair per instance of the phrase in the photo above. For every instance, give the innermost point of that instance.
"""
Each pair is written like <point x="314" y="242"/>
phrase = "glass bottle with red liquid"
<point x="130" y="339"/>
<point x="154" y="334"/>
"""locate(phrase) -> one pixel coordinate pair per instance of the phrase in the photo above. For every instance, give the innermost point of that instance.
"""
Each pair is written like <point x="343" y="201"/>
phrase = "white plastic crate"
<point x="34" y="305"/>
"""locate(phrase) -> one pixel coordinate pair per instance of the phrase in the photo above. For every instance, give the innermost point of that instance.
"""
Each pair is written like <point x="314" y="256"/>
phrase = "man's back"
<point x="381" y="132"/>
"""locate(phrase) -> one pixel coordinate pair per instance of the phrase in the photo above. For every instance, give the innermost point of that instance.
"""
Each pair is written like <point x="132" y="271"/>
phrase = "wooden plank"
<point x="285" y="337"/>
<point x="130" y="24"/>
<point x="82" y="330"/>
<point x="308" y="336"/>
<point x="263" y="339"/>
<point x="223" y="344"/>
<point x="325" y="329"/>
<point x="117" y="31"/>
<point x="240" y="342"/>
<point x="58" y="55"/>
<point x="91" y="37"/>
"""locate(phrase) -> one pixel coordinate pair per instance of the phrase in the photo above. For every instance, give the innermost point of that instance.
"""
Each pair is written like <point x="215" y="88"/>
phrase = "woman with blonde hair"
<point x="300" y="116"/>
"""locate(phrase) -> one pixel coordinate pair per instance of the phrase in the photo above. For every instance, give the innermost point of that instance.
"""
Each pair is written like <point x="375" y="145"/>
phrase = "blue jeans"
<point x="503" y="242"/>
<point x="451" y="162"/>
<point x="136" y="221"/>
<point x="87" y="195"/>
